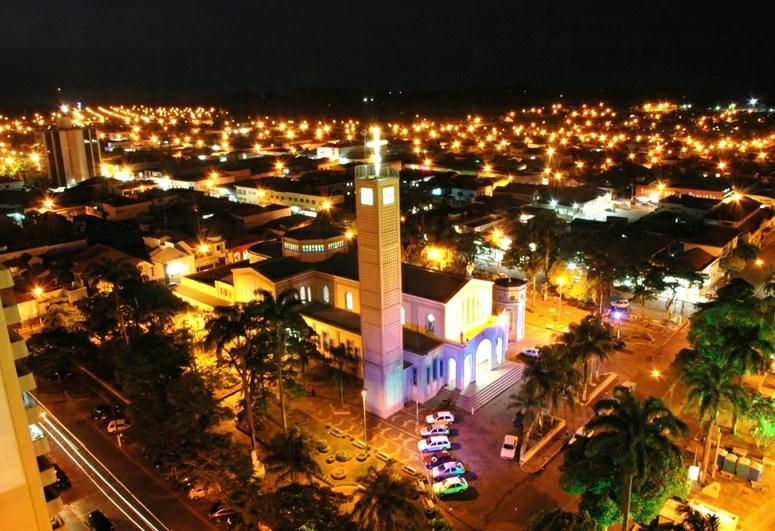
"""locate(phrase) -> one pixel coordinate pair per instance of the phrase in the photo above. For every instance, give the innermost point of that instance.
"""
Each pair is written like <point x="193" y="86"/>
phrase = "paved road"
<point x="115" y="480"/>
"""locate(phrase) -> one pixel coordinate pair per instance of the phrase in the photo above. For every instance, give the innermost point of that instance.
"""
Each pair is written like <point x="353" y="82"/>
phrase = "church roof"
<point x="314" y="232"/>
<point x="419" y="343"/>
<point x="430" y="284"/>
<point x="417" y="281"/>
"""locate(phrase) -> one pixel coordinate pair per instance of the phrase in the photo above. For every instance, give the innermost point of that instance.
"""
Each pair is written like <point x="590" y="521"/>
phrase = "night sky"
<point x="100" y="50"/>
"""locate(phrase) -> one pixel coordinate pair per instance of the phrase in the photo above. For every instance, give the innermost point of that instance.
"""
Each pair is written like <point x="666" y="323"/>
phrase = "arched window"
<point x="309" y="294"/>
<point x="430" y="324"/>
<point x="348" y="300"/>
<point x="303" y="295"/>
<point x="326" y="295"/>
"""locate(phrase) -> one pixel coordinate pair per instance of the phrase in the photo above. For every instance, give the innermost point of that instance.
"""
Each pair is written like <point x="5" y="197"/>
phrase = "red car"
<point x="437" y="458"/>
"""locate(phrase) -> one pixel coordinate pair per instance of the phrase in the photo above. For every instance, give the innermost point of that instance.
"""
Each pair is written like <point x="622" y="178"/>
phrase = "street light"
<point x="559" y="306"/>
<point x="365" y="434"/>
<point x="618" y="316"/>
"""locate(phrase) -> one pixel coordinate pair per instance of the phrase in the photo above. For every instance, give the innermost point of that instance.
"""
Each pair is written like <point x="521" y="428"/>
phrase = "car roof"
<point x="437" y="439"/>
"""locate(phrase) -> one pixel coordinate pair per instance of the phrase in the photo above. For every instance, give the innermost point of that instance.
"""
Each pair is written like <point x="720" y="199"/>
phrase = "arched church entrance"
<point x="468" y="369"/>
<point x="451" y="372"/>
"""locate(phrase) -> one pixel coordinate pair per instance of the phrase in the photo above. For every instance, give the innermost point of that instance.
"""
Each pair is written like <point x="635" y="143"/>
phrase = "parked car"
<point x="440" y="417"/>
<point x="621" y="304"/>
<point x="62" y="373"/>
<point x="450" y="486"/>
<point x="619" y="344"/>
<point x="220" y="510"/>
<point x="434" y="429"/>
<point x="97" y="521"/>
<point x="434" y="444"/>
<point x="103" y="412"/>
<point x="119" y="425"/>
<point x="509" y="447"/>
<point x="448" y="470"/>
<point x="582" y="433"/>
<point x="63" y="482"/>
<point x="530" y="352"/>
<point x="437" y="458"/>
<point x="198" y="492"/>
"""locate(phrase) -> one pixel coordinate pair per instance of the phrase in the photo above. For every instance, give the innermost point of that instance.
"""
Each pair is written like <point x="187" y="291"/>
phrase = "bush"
<point x="322" y="446"/>
<point x="330" y="459"/>
<point x="343" y="456"/>
<point x="339" y="473"/>
<point x="361" y="457"/>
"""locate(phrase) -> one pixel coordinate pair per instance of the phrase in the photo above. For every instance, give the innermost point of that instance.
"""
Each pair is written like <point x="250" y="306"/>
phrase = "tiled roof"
<point x="419" y="343"/>
<point x="430" y="284"/>
<point x="222" y="273"/>
<point x="280" y="268"/>
<point x="337" y="317"/>
<point x="342" y="265"/>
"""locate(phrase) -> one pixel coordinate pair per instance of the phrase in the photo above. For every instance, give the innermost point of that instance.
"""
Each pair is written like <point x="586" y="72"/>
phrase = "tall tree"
<point x="384" y="502"/>
<point x="281" y="317"/>
<point x="588" y="341"/>
<point x="554" y="374"/>
<point x="341" y="357"/>
<point x="233" y="331"/>
<point x="117" y="275"/>
<point x="293" y="453"/>
<point x="710" y="388"/>
<point x="633" y="432"/>
<point x="529" y="401"/>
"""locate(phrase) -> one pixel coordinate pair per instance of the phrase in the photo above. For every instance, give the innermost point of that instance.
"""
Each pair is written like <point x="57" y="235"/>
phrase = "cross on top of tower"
<point x="376" y="144"/>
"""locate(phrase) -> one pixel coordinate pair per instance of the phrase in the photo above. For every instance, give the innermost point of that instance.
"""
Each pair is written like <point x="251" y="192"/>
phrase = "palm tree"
<point x="633" y="431"/>
<point x="117" y="273"/>
<point x="747" y="351"/>
<point x="530" y="402"/>
<point x="292" y="453"/>
<point x="233" y="331"/>
<point x="304" y="349"/>
<point x="710" y="387"/>
<point x="587" y="341"/>
<point x="383" y="504"/>
<point x="341" y="356"/>
<point x="546" y="226"/>
<point x="281" y="317"/>
<point x="555" y="376"/>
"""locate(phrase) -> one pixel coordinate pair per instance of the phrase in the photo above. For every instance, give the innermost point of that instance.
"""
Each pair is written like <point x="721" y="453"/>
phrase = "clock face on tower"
<point x="367" y="196"/>
<point x="388" y="195"/>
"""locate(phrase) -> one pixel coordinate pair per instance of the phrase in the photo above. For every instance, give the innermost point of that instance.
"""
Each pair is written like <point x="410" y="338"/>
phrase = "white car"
<point x="530" y="352"/>
<point x="509" y="448"/>
<point x="448" y="470"/>
<point x="622" y="304"/>
<point x="440" y="417"/>
<point x="434" y="429"/>
<point x="117" y="426"/>
<point x="434" y="444"/>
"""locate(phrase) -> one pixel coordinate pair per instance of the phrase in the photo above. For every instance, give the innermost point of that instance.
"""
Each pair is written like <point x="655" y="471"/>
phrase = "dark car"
<point x="63" y="373"/>
<point x="63" y="482"/>
<point x="619" y="344"/>
<point x="103" y="412"/>
<point x="97" y="521"/>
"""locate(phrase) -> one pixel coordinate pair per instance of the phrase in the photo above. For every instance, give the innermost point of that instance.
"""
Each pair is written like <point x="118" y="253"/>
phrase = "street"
<point x="104" y="476"/>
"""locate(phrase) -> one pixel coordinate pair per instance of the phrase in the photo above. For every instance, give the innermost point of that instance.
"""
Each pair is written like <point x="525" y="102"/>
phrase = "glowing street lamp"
<point x="618" y="318"/>
<point x="365" y="433"/>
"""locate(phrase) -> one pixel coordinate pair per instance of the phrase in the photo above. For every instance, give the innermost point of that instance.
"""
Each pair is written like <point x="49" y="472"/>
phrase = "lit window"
<point x="326" y="295"/>
<point x="403" y="316"/>
<point x="348" y="300"/>
<point x="430" y="324"/>
<point x="303" y="294"/>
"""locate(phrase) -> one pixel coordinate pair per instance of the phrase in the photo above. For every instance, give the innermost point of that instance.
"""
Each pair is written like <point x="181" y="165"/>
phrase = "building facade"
<point x="27" y="498"/>
<point x="71" y="154"/>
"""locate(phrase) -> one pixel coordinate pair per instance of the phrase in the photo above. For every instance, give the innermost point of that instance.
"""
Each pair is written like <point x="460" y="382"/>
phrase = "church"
<point x="414" y="330"/>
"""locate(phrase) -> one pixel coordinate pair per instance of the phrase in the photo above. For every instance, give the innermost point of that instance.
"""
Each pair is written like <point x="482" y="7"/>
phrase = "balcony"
<point x="53" y="501"/>
<point x="6" y="280"/>
<point x="18" y="345"/>
<point x="47" y="473"/>
<point x="12" y="316"/>
<point x="32" y="408"/>
<point x="26" y="378"/>
<point x="39" y="440"/>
